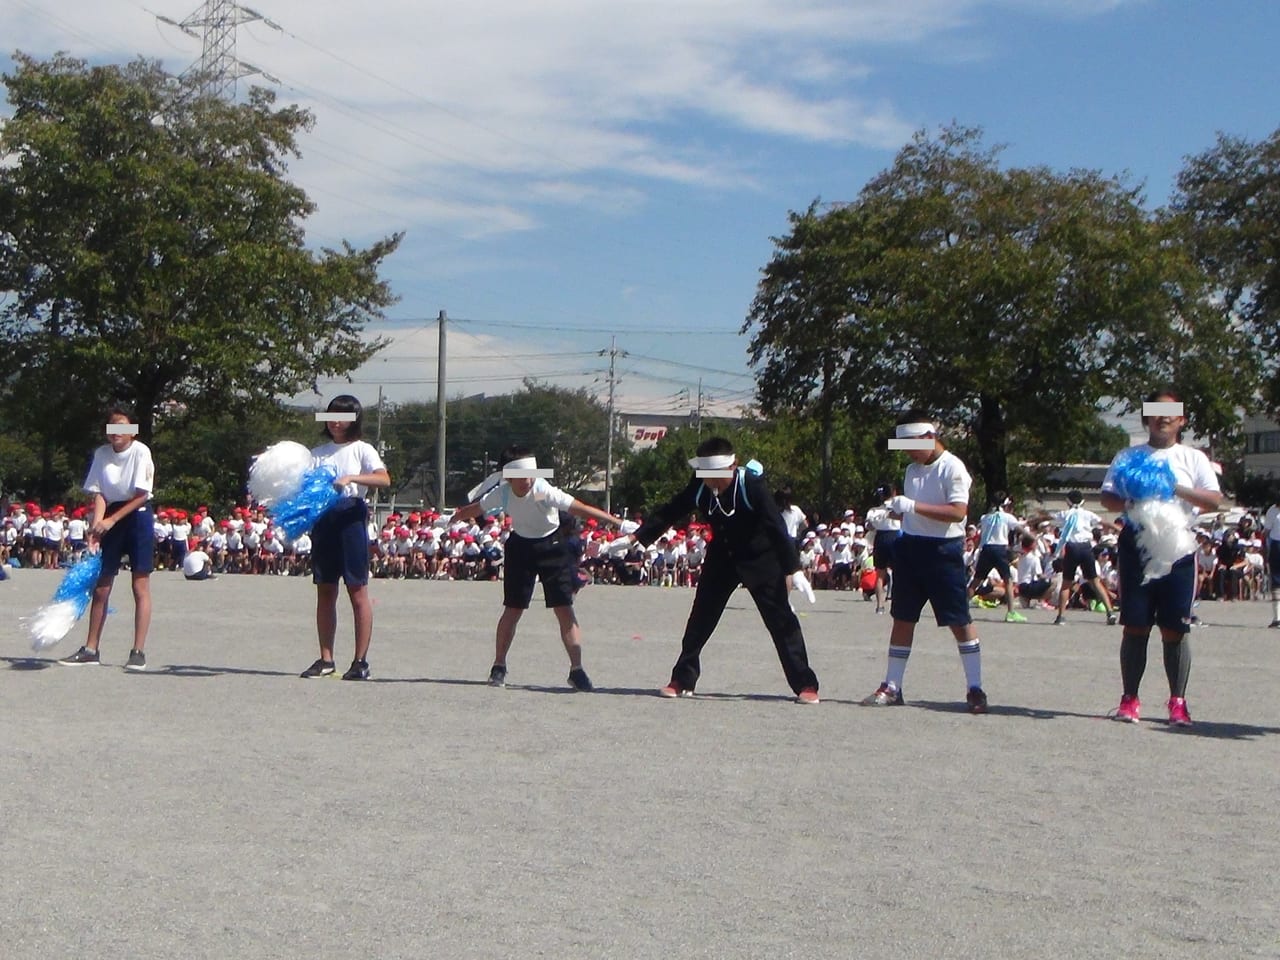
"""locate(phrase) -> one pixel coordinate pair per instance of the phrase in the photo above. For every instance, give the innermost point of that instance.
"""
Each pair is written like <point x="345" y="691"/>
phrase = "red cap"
<point x="224" y="523"/>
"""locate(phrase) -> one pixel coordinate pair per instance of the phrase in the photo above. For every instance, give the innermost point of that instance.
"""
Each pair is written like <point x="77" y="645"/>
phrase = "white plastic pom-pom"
<point x="1162" y="535"/>
<point x="51" y="623"/>
<point x="277" y="471"/>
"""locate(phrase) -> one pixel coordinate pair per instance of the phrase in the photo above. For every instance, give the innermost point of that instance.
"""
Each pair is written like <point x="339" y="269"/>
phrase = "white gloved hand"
<point x="902" y="505"/>
<point x="800" y="582"/>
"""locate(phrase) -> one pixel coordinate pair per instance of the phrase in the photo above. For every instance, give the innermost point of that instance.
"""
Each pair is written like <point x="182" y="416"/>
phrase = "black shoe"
<point x="137" y="661"/>
<point x="1059" y="620"/>
<point x="1274" y="625"/>
<point x="977" y="700"/>
<point x="321" y="668"/>
<point x="579" y="680"/>
<point x="81" y="657"/>
<point x="498" y="675"/>
<point x="359" y="670"/>
<point x="1112" y="619"/>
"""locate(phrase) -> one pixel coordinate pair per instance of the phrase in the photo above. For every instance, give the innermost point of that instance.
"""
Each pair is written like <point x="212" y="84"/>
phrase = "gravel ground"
<point x="218" y="806"/>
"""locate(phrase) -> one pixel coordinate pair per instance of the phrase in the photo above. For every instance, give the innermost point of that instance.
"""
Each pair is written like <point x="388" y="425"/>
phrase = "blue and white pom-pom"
<point x="1159" y="521"/>
<point x="54" y="620"/>
<point x="277" y="471"/>
<point x="299" y="510"/>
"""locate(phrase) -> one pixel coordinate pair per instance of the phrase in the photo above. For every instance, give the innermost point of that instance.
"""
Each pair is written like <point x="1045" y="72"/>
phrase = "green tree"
<point x="1228" y="204"/>
<point x="566" y="429"/>
<point x="1009" y="302"/>
<point x="154" y="251"/>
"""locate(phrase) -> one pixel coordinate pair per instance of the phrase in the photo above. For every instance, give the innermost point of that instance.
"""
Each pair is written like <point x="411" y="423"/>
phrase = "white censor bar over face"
<point x="910" y="443"/>
<point x="714" y="474"/>
<point x="122" y="429"/>
<point x="335" y="418"/>
<point x="527" y="473"/>
<point x="1164" y="409"/>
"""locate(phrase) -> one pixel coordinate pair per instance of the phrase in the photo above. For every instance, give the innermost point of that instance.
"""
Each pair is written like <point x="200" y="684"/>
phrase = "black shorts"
<point x="1034" y="589"/>
<point x="930" y="570"/>
<point x="1273" y="561"/>
<point x="1166" y="601"/>
<point x="526" y="561"/>
<point x="992" y="557"/>
<point x="1078" y="556"/>
<point x="340" y="544"/>
<point x="132" y="536"/>
<point x="882" y="548"/>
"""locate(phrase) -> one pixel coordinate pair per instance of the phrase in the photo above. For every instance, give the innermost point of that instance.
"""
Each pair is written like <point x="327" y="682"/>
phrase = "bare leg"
<point x="506" y="633"/>
<point x="570" y="635"/>
<point x="362" y="608"/>
<point x="98" y="612"/>
<point x="326" y="617"/>
<point x="141" y="609"/>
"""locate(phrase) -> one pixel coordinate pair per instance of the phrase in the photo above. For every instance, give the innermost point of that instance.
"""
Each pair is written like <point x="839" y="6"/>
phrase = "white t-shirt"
<point x="119" y="476"/>
<point x="533" y="516"/>
<point x="350" y="459"/>
<point x="302" y="546"/>
<point x="76" y="529"/>
<point x="996" y="527"/>
<point x="879" y="519"/>
<point x="194" y="562"/>
<point x="944" y="481"/>
<point x="1029" y="567"/>
<point x="1271" y="523"/>
<point x="1191" y="468"/>
<point x="793" y="516"/>
<point x="1077" y="525"/>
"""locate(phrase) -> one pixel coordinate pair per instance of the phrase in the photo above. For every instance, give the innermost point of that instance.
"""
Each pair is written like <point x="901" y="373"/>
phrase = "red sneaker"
<point x="1128" y="711"/>
<point x="1178" y="716"/>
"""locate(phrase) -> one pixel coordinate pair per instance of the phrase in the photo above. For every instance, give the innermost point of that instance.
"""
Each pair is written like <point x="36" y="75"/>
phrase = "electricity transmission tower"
<point x="214" y="25"/>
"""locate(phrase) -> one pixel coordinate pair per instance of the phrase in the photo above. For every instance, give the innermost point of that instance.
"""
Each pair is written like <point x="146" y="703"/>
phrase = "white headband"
<point x="721" y="461"/>
<point x="907" y="431"/>
<point x="523" y="463"/>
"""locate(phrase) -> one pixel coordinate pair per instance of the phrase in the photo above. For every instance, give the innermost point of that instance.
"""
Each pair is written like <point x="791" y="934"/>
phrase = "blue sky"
<point x="575" y="169"/>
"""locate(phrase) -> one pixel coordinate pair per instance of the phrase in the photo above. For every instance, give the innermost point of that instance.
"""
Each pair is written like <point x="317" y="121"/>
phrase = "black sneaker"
<point x="579" y="680"/>
<point x="359" y="670"/>
<point x="80" y="658"/>
<point x="1274" y="625"/>
<point x="977" y="700"/>
<point x="1112" y="619"/>
<point x="137" y="661"/>
<point x="1059" y="620"/>
<point x="321" y="668"/>
<point x="498" y="675"/>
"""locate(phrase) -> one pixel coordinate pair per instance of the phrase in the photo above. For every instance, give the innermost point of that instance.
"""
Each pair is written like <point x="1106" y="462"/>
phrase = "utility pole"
<point x="697" y="413"/>
<point x="608" y="456"/>
<point x="440" y="415"/>
<point x="214" y="25"/>
<point x="382" y="451"/>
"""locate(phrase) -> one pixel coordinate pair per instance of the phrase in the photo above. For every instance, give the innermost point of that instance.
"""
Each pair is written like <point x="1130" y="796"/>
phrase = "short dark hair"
<point x="917" y="415"/>
<point x="998" y="498"/>
<point x="1075" y="496"/>
<point x="714" y="447"/>
<point x="516" y="451"/>
<point x="121" y="409"/>
<point x="1164" y="393"/>
<point x="345" y="403"/>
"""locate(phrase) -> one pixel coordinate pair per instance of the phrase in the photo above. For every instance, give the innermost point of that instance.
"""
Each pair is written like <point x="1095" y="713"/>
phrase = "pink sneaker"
<point x="1178" y="716"/>
<point x="1129" y="709"/>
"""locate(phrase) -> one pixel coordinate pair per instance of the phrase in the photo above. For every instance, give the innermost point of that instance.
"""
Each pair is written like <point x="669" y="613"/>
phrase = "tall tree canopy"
<point x="1229" y="199"/>
<point x="151" y="250"/>
<point x="1007" y="301"/>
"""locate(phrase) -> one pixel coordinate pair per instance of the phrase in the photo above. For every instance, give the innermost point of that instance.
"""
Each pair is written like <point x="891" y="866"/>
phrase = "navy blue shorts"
<point x="526" y="561"/>
<point x="132" y="536"/>
<point x="340" y="544"/>
<point x="1273" y="561"/>
<point x="1165" y="602"/>
<point x="992" y="557"/>
<point x="1078" y="555"/>
<point x="882" y="548"/>
<point x="930" y="569"/>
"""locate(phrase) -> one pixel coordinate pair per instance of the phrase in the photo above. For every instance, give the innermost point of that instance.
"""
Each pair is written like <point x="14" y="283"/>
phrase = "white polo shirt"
<point x="946" y="480"/>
